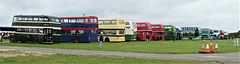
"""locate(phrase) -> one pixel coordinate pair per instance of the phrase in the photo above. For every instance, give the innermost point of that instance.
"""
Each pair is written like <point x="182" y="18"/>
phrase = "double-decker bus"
<point x="215" y="34"/>
<point x="225" y="34"/>
<point x="113" y="29"/>
<point x="143" y="28"/>
<point x="191" y="33"/>
<point x="130" y="30"/>
<point x="79" y="29"/>
<point x="157" y="32"/>
<point x="170" y="32"/>
<point x="205" y="33"/>
<point x="36" y="28"/>
<point x="179" y="33"/>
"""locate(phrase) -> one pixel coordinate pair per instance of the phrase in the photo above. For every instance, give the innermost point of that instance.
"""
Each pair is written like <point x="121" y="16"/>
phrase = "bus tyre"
<point x="107" y="39"/>
<point x="12" y="39"/>
<point x="37" y="41"/>
<point x="76" y="40"/>
<point x="138" y="38"/>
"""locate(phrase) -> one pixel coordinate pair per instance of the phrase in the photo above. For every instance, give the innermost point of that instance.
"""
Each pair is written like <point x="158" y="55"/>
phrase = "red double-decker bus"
<point x="157" y="32"/>
<point x="142" y="29"/>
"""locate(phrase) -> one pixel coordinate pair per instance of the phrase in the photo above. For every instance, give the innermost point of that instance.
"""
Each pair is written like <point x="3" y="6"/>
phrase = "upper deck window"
<point x="168" y="27"/>
<point x="100" y="22"/>
<point x="153" y="26"/>
<point x="143" y="25"/>
<point x="127" y="23"/>
<point x="92" y="20"/>
<point x="157" y="26"/>
<point x="114" y="22"/>
<point x="134" y="24"/>
<point x="121" y="22"/>
<point x="107" y="22"/>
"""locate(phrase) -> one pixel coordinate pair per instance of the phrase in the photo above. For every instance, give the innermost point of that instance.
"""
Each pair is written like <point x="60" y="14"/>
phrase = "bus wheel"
<point x="76" y="40"/>
<point x="107" y="39"/>
<point x="37" y="41"/>
<point x="153" y="38"/>
<point x="12" y="39"/>
<point x="138" y="38"/>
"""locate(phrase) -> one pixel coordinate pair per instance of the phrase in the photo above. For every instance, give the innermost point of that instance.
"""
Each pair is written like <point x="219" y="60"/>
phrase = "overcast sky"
<point x="215" y="14"/>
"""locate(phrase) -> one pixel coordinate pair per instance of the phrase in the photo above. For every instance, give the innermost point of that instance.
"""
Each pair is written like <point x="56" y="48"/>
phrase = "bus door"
<point x="48" y="32"/>
<point x="144" y="35"/>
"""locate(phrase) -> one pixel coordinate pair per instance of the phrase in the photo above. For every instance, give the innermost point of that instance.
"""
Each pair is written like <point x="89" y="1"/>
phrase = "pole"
<point x="237" y="42"/>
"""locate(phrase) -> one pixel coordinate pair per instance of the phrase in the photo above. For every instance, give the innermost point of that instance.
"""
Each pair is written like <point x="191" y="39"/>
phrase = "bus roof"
<point x="35" y="16"/>
<point x="79" y="17"/>
<point x="143" y="23"/>
<point x="156" y="24"/>
<point x="112" y="19"/>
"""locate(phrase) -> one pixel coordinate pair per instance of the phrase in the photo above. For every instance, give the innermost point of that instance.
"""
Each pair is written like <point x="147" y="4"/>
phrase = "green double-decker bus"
<point x="36" y="28"/>
<point x="170" y="32"/>
<point x="205" y="33"/>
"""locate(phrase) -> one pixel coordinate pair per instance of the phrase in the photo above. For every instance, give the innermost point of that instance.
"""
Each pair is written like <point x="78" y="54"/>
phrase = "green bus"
<point x="170" y="32"/>
<point x="36" y="28"/>
<point x="130" y="30"/>
<point x="205" y="33"/>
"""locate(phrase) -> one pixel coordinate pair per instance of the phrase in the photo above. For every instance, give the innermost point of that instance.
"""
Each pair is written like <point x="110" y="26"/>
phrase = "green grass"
<point x="158" y="47"/>
<point x="78" y="59"/>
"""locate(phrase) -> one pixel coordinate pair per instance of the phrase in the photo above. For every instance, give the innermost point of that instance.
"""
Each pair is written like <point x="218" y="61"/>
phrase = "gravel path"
<point x="226" y="58"/>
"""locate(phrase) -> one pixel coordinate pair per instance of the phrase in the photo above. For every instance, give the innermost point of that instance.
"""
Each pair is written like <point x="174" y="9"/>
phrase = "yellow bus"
<point x="113" y="29"/>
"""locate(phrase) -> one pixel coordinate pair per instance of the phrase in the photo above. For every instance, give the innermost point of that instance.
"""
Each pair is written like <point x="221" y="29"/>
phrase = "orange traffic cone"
<point x="211" y="47"/>
<point x="207" y="48"/>
<point x="216" y="47"/>
<point x="202" y="50"/>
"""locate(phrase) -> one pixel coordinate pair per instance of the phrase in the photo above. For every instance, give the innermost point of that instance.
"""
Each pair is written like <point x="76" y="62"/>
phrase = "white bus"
<point x="130" y="30"/>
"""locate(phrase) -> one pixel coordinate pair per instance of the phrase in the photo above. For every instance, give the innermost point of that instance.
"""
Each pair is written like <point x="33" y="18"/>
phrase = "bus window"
<point x="72" y="20"/>
<point x="107" y="22"/>
<point x="94" y="31"/>
<point x="121" y="31"/>
<point x="95" y="20"/>
<point x="127" y="23"/>
<point x="35" y="19"/>
<point x="143" y="25"/>
<point x="91" y="20"/>
<point x="153" y="33"/>
<point x="121" y="22"/>
<point x="153" y="26"/>
<point x="100" y="22"/>
<point x="58" y="20"/>
<point x="138" y="25"/>
<point x="157" y="26"/>
<point x="114" y="22"/>
<point x="80" y="20"/>
<point x="65" y="20"/>
<point x="86" y="20"/>
<point x="45" y="19"/>
<point x="157" y="29"/>
<point x="79" y="32"/>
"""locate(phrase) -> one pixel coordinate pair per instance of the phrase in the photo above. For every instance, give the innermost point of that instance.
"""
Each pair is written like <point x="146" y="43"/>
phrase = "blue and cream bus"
<point x="79" y="29"/>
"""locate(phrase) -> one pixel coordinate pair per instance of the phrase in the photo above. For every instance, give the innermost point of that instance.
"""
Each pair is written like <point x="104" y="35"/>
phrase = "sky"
<point x="214" y="14"/>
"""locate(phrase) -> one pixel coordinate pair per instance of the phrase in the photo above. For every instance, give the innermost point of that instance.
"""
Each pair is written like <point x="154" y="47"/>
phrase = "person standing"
<point x="101" y="39"/>
<point x="147" y="36"/>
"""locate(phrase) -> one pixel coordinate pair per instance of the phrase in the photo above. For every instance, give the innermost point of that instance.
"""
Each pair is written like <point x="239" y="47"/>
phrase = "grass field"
<point x="78" y="59"/>
<point x="158" y="47"/>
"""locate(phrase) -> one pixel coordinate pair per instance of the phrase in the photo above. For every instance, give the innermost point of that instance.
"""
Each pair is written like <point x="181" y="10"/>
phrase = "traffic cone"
<point x="216" y="47"/>
<point x="211" y="47"/>
<point x="202" y="50"/>
<point x="207" y="48"/>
